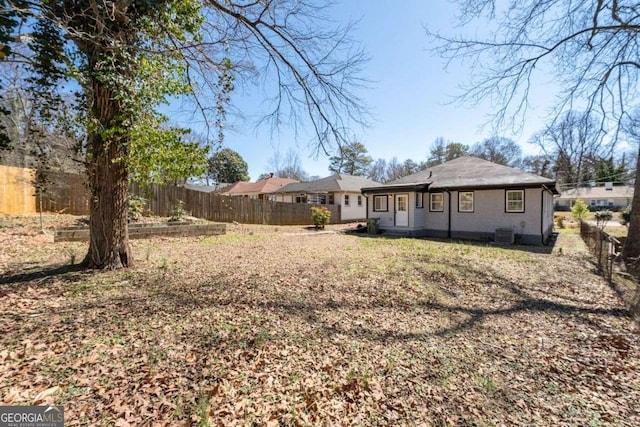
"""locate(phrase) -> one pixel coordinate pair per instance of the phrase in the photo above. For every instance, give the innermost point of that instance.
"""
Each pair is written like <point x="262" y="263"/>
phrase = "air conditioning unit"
<point x="505" y="236"/>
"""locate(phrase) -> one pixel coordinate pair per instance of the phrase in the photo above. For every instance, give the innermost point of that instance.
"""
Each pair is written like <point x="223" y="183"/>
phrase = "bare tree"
<point x="503" y="151"/>
<point x="589" y="48"/>
<point x="30" y="138"/>
<point x="378" y="171"/>
<point x="537" y="164"/>
<point x="575" y="145"/>
<point x="287" y="166"/>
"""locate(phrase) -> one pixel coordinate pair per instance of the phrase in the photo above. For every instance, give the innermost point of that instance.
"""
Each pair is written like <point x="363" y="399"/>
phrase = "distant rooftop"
<point x="617" y="191"/>
<point x="267" y="185"/>
<point x="337" y="182"/>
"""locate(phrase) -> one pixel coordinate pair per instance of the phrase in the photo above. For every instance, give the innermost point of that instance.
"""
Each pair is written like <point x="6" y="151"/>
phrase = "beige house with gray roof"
<point x="605" y="197"/>
<point x="466" y="198"/>
<point x="339" y="189"/>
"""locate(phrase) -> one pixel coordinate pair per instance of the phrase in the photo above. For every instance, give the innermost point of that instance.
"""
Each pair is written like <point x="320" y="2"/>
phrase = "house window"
<point x="436" y="202"/>
<point x="301" y="199"/>
<point x="331" y="201"/>
<point x="515" y="201"/>
<point x="359" y="200"/>
<point x="419" y="200"/>
<point x="346" y="200"/>
<point x="380" y="203"/>
<point x="465" y="201"/>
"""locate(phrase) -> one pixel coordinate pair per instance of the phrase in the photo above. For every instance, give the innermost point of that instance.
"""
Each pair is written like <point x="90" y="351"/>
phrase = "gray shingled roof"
<point x="337" y="182"/>
<point x="468" y="172"/>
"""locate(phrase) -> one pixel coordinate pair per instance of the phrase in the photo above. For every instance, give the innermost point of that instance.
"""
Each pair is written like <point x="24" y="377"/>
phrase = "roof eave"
<point x="549" y="185"/>
<point x="421" y="187"/>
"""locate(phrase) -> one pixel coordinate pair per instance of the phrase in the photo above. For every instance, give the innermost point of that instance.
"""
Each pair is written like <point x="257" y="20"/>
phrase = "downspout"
<point x="544" y="188"/>
<point x="366" y="206"/>
<point x="449" y="214"/>
<point x="542" y="215"/>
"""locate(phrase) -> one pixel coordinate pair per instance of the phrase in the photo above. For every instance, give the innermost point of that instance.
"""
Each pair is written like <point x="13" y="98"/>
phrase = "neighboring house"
<point x="339" y="189"/>
<point x="262" y="189"/>
<point x="607" y="197"/>
<point x="467" y="198"/>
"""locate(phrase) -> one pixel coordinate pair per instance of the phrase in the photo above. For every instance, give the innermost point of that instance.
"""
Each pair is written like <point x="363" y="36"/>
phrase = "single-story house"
<point x="262" y="189"/>
<point x="466" y="198"/>
<point x="605" y="197"/>
<point x="339" y="189"/>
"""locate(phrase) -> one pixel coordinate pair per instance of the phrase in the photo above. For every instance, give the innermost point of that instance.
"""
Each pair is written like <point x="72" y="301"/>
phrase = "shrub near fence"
<point x="214" y="207"/>
<point x="604" y="247"/>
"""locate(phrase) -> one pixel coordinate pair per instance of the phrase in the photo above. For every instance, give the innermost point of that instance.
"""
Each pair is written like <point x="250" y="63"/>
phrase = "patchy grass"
<point x="616" y="230"/>
<point x="261" y="327"/>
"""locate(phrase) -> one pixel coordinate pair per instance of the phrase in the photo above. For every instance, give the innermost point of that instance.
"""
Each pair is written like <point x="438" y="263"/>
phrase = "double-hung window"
<point x="514" y="201"/>
<point x="465" y="201"/>
<point x="436" y="202"/>
<point x="380" y="203"/>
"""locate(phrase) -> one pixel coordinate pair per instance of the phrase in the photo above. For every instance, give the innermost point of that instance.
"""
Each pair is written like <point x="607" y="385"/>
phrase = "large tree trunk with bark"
<point x="631" y="250"/>
<point x="108" y="182"/>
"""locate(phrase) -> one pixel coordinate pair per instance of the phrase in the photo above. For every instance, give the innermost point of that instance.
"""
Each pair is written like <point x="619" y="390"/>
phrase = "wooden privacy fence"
<point x="65" y="193"/>
<point x="604" y="247"/>
<point x="213" y="207"/>
<point x="17" y="193"/>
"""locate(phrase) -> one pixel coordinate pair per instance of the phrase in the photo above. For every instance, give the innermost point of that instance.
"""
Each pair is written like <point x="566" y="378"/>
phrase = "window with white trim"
<point x="346" y="200"/>
<point x="419" y="200"/>
<point x="436" y="202"/>
<point x="380" y="203"/>
<point x="359" y="200"/>
<point x="465" y="201"/>
<point x="515" y="201"/>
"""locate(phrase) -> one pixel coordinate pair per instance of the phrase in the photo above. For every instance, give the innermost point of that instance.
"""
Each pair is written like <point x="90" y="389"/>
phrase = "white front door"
<point x="402" y="211"/>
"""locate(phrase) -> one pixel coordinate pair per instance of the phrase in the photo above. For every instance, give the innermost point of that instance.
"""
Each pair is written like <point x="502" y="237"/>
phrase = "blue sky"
<point x="409" y="95"/>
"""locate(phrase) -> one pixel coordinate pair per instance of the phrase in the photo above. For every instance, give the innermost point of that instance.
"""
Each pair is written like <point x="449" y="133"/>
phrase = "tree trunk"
<point x="631" y="250"/>
<point x="109" y="247"/>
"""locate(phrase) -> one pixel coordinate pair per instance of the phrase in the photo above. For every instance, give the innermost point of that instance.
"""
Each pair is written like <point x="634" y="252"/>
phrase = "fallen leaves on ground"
<point x="266" y="327"/>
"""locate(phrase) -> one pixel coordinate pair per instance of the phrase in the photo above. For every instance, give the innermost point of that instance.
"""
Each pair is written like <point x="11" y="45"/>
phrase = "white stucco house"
<point x="339" y="189"/>
<point x="466" y="198"/>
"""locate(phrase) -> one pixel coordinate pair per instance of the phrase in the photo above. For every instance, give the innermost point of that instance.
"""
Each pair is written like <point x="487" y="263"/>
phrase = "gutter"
<point x="553" y="190"/>
<point x="423" y="187"/>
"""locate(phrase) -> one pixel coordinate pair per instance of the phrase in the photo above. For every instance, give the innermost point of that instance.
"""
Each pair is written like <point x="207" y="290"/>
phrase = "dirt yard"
<point x="281" y="326"/>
